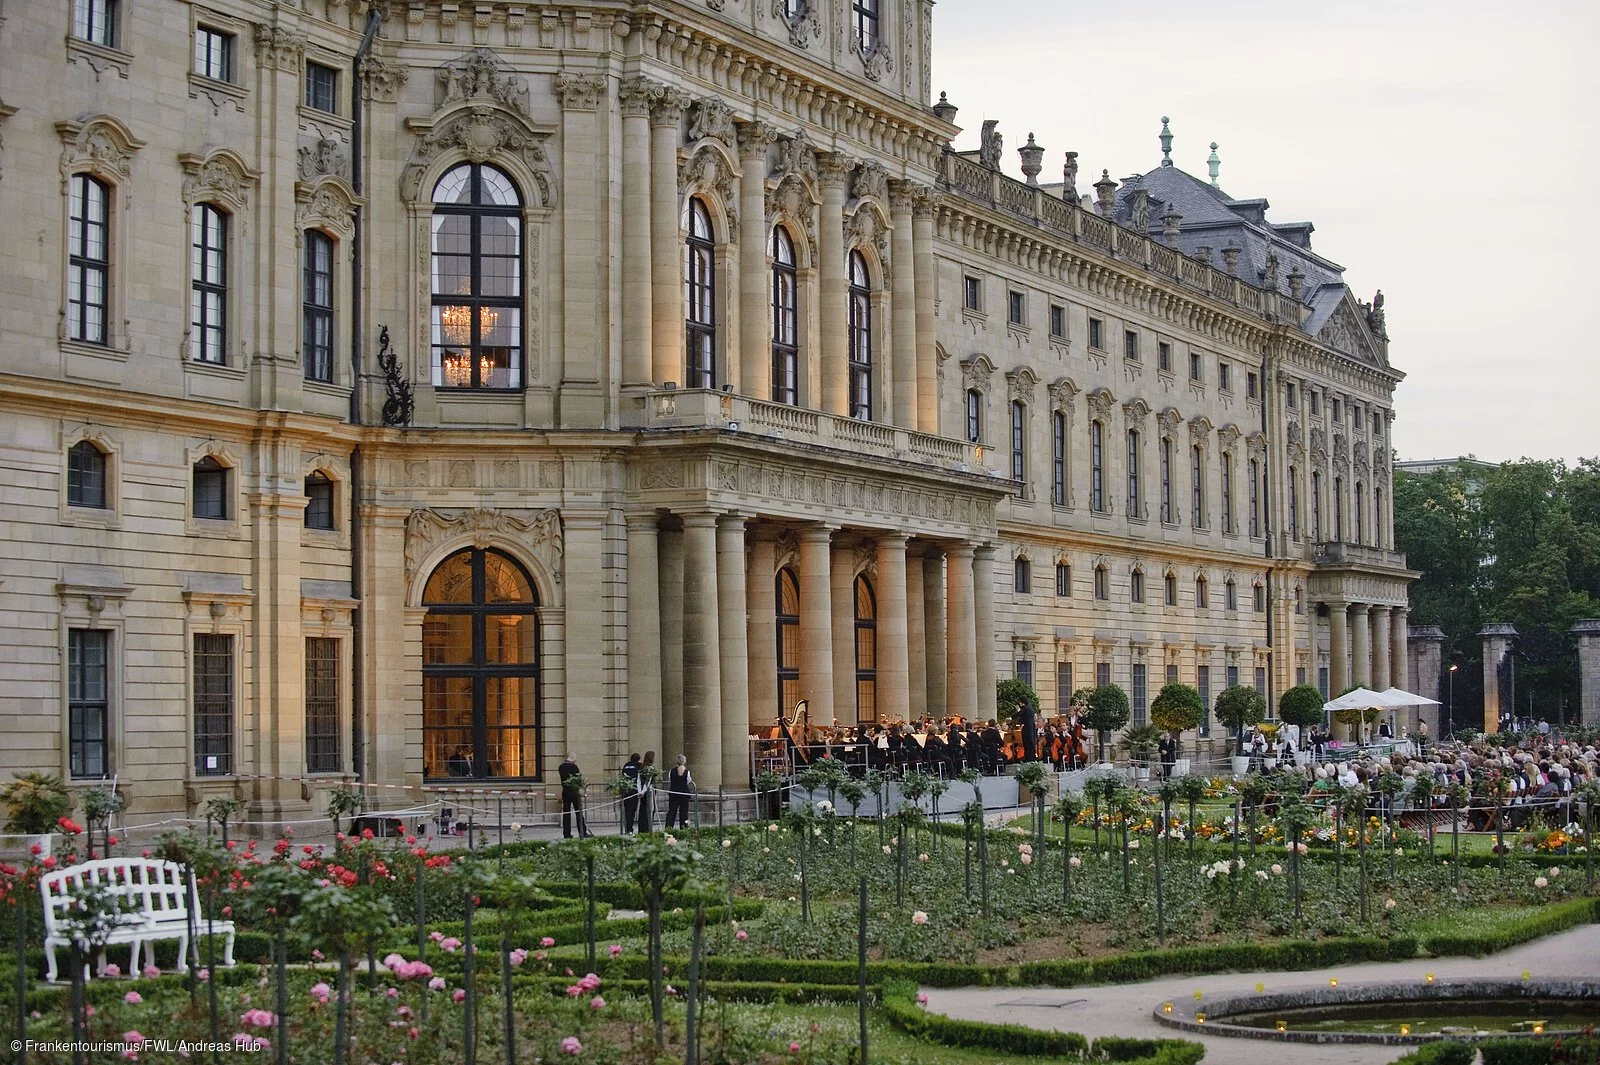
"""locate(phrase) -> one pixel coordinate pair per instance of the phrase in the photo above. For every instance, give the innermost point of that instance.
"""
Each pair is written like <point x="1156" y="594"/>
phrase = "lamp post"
<point x="1450" y="704"/>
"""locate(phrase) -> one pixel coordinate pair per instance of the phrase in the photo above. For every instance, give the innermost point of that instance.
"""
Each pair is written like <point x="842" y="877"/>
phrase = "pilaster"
<point x="666" y="282"/>
<point x="755" y="328"/>
<point x="903" y="309"/>
<point x="644" y="635"/>
<point x="702" y="654"/>
<point x="983" y="627"/>
<point x="916" y="633"/>
<point x="961" y="666"/>
<point x="816" y="623"/>
<point x="833" y="170"/>
<point x="732" y="617"/>
<point x="934" y="628"/>
<point x="927" y="356"/>
<point x="635" y="97"/>
<point x="672" y="570"/>
<point x="583" y="379"/>
<point x="761" y="598"/>
<point x="894" y="688"/>
<point x="841" y="572"/>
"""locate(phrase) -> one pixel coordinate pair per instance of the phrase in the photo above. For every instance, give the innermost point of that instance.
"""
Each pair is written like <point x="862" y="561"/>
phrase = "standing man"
<point x="1169" y="754"/>
<point x="1030" y="730"/>
<point x="572" y="798"/>
<point x="630" y="796"/>
<point x="680" y="785"/>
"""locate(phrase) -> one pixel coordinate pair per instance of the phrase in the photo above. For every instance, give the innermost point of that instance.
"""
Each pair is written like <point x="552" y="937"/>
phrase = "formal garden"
<point x="804" y="938"/>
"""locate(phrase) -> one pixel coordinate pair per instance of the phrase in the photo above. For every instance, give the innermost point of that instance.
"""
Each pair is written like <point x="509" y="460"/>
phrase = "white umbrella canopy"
<point x="1359" y="699"/>
<point x="1396" y="697"/>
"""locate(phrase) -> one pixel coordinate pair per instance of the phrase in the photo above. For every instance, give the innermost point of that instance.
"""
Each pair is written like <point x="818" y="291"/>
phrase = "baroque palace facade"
<point x="414" y="392"/>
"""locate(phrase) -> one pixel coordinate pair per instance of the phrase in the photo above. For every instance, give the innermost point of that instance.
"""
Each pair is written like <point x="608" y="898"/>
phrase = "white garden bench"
<point x="155" y="899"/>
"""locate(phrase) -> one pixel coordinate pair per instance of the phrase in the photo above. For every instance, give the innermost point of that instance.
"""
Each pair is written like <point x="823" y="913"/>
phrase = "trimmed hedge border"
<point x="1582" y="1051"/>
<point x="1557" y="917"/>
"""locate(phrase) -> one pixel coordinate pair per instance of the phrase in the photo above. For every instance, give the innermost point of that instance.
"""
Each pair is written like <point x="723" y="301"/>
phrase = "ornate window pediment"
<point x="100" y="145"/>
<point x="1022" y="382"/>
<point x="1136" y="410"/>
<point x="431" y="533"/>
<point x="976" y="371"/>
<point x="479" y="132"/>
<point x="481" y="76"/>
<point x="222" y="176"/>
<point x="1170" y="419"/>
<point x="327" y="203"/>
<point x="1199" y="429"/>
<point x="1062" y="393"/>
<point x="711" y="170"/>
<point x="800" y="18"/>
<point x="1101" y="401"/>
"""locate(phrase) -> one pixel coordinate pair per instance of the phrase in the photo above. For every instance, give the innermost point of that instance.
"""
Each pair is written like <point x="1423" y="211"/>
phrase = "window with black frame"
<point x="319" y="501"/>
<point x="86" y="476"/>
<point x="788" y="625"/>
<point x="480" y="669"/>
<point x="860" y="326"/>
<point x="1019" y="441"/>
<point x="1058" y="459"/>
<point x="213" y="704"/>
<point x="88" y="259"/>
<point x="974" y="416"/>
<point x="316" y="335"/>
<point x="88" y="702"/>
<point x="208" y="296"/>
<point x="700" y="298"/>
<point x="1097" y="467"/>
<point x="785" y="320"/>
<point x="322" y="705"/>
<point x="864" y="14"/>
<point x="211" y="490"/>
<point x="476" y="279"/>
<point x="866" y="651"/>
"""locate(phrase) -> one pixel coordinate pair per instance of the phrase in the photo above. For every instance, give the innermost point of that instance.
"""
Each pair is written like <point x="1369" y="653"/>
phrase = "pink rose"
<point x="547" y="941"/>
<point x="320" y="992"/>
<point x="151" y="971"/>
<point x="597" y="1003"/>
<point x="412" y="1033"/>
<point x="436" y="984"/>
<point x="258" y="1018"/>
<point x="133" y="998"/>
<point x="741" y="935"/>
<point x="794" y="1048"/>
<point x="449" y="945"/>
<point x="615" y="949"/>
<point x="458" y="995"/>
<point x="132" y="1035"/>
<point x="112" y="970"/>
<point x="570" y="1045"/>
<point x="517" y="958"/>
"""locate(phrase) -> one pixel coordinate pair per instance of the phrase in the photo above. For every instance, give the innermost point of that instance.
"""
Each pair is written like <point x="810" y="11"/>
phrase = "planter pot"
<point x="20" y="848"/>
<point x="1241" y="764"/>
<point x="1141" y="772"/>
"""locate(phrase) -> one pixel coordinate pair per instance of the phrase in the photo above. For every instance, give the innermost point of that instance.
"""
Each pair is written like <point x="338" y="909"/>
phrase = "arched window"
<point x="974" y="416"/>
<point x="1255" y="498"/>
<point x="1294" y="503"/>
<point x="1377" y="518"/>
<point x="866" y="651"/>
<point x="785" y="320"/>
<point x="208" y="294"/>
<point x="1361" y="513"/>
<point x="1227" y="493"/>
<point x="1169" y="589"/>
<point x="1197" y="486"/>
<point x="1202" y="599"/>
<point x="86" y="476"/>
<point x="480" y="669"/>
<point x="88" y="259"/>
<point x="1097" y="467"/>
<point x="1022" y="575"/>
<point x="1063" y="580"/>
<point x="1316" y="506"/>
<point x="211" y="490"/>
<point x="864" y="15"/>
<point x="699" y="298"/>
<point x="319" y="501"/>
<point x="1338" y="509"/>
<point x="1135" y="501"/>
<point x="477" y="279"/>
<point x="316" y="330"/>
<point x="1258" y="597"/>
<point x="860" y="339"/>
<point x="1230" y="595"/>
<point x="1166" y="479"/>
<point x="788" y="618"/>
<point x="1019" y="441"/>
<point x="1136" y="586"/>
<point x="1102" y="583"/>
<point x="1058" y="459"/>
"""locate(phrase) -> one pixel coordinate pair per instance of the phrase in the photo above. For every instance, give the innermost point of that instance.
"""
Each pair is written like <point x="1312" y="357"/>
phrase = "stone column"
<point x="761" y="598"/>
<point x="924" y="269"/>
<point x="635" y="96"/>
<point x="1497" y="637"/>
<point x="894" y="669"/>
<point x="644" y="636"/>
<point x="755" y="316"/>
<point x="1397" y="649"/>
<point x="666" y="284"/>
<point x="732" y="621"/>
<point x="983" y="626"/>
<point x="1380" y="648"/>
<point x="1361" y="647"/>
<point x="816" y="623"/>
<point x="1338" y="649"/>
<point x="843" y="591"/>
<point x="1588" y="633"/>
<point x="1424" y="653"/>
<point x="702" y="658"/>
<point x="671" y="599"/>
<point x="934" y="614"/>
<point x="961" y="650"/>
<point x="903" y="309"/>
<point x="833" y="170"/>
<point x="583" y="399"/>
<point x="584" y="538"/>
<point x="916" y="634"/>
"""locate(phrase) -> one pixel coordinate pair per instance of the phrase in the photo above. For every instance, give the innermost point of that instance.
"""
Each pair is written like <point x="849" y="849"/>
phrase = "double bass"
<point x="1074" y="744"/>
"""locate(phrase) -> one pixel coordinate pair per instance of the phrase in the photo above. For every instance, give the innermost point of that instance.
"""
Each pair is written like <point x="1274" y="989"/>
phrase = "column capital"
<point x="834" y="169"/>
<point x="642" y="520"/>
<point x="755" y="138"/>
<point x="983" y="551"/>
<point x="580" y="92"/>
<point x="820" y="532"/>
<point x="699" y="519"/>
<point x="903" y="195"/>
<point x="733" y="519"/>
<point x="637" y="94"/>
<point x="667" y="108"/>
<point x="892" y="536"/>
<point x="960" y="549"/>
<point x="923" y="201"/>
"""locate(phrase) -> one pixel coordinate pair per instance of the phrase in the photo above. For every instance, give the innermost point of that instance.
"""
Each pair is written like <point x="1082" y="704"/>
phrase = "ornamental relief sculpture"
<point x="804" y="26"/>
<point x="1228" y="435"/>
<point x="222" y="175"/>
<point x="480" y="133"/>
<point x="975" y="373"/>
<point x="712" y="118"/>
<point x="710" y="170"/>
<point x="327" y="157"/>
<point x="1022" y="382"/>
<point x="326" y="203"/>
<point x="101" y="144"/>
<point x="868" y="228"/>
<point x="540" y="535"/>
<point x="1200" y="430"/>
<point x="1101" y="401"/>
<point x="1062" y="393"/>
<point x="481" y="75"/>
<point x="1169" y="419"/>
<point x="797" y="157"/>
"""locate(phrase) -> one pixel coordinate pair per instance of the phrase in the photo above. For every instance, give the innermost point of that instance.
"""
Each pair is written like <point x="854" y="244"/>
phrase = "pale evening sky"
<point x="1439" y="146"/>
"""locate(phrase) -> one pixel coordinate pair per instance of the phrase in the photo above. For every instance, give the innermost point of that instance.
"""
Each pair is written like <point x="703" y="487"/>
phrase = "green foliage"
<point x="1584" y="1051"/>
<point x="1464" y="939"/>
<point x="1440" y="1054"/>
<point x="35" y="802"/>
<point x="102" y="804"/>
<point x="344" y="801"/>
<point x="1301" y="705"/>
<point x="1240" y="706"/>
<point x="1108" y="708"/>
<point x="899" y="1005"/>
<point x="1033" y="775"/>
<point x="1143" y="741"/>
<point x="1177" y="707"/>
<point x="1008" y="693"/>
<point x="338" y="918"/>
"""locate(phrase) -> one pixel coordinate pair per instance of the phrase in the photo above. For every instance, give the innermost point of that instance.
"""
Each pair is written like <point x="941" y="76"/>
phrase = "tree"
<point x="1239" y="706"/>
<point x="1107" y="712"/>
<point x="1301" y="705"/>
<point x="1008" y="693"/>
<point x="1177" y="707"/>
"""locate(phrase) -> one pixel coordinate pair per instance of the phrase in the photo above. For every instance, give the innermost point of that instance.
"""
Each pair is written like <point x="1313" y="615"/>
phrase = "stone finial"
<point x="944" y="110"/>
<point x="991" y="144"/>
<point x="1069" y="178"/>
<point x="1214" y="165"/>
<point x="1230" y="257"/>
<point x="1297" y="282"/>
<point x="1166" y="141"/>
<point x="1170" y="229"/>
<point x="1032" y="158"/>
<point x="1105" y="193"/>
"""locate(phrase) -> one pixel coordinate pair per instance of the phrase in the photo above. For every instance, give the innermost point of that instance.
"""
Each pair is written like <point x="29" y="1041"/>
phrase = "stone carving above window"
<point x="871" y="183"/>
<point x="221" y="176"/>
<point x="1199" y="430"/>
<point x="101" y="145"/>
<point x="1062" y="393"/>
<point x="480" y="133"/>
<point x="803" y="24"/>
<point x="975" y="372"/>
<point x="711" y="118"/>
<point x="1136" y="410"/>
<point x="1100" y="402"/>
<point x="539" y="535"/>
<point x="867" y="228"/>
<point x="1170" y="419"/>
<point x="327" y="157"/>
<point x="381" y="79"/>
<point x="1228" y="435"/>
<point x="796" y="156"/>
<point x="327" y="203"/>
<point x="709" y="170"/>
<point x="480" y="75"/>
<point x="1022" y="383"/>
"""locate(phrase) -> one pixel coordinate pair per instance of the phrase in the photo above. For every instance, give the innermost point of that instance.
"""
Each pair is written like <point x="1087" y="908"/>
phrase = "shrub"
<point x="1440" y="1054"/>
<point x="1239" y="706"/>
<point x="1301" y="705"/>
<point x="1540" y="1051"/>
<point x="900" y="1006"/>
<point x="1177" y="707"/>
<point x="35" y="802"/>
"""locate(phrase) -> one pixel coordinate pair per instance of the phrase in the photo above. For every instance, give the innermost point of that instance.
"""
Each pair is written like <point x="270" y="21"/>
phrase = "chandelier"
<point x="457" y="368"/>
<point x="455" y="322"/>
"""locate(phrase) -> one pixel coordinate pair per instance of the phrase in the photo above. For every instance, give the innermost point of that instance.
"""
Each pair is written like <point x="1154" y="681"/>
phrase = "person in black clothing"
<point x="954" y="749"/>
<point x="680" y="785"/>
<point x="934" y="749"/>
<point x="630" y="797"/>
<point x="1169" y="755"/>
<point x="647" y="790"/>
<point x="459" y="764"/>
<point x="1030" y="730"/>
<point x="991" y="748"/>
<point x="572" y="798"/>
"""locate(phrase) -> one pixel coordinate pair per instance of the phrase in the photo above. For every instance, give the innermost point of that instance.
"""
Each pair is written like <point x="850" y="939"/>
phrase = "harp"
<point x="797" y="751"/>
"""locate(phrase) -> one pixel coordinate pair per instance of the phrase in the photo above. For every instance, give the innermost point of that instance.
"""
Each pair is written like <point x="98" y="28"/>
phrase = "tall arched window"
<point x="1058" y="459"/>
<point x="866" y="651"/>
<point x="860" y="339"/>
<point x="1102" y="583"/>
<point x="1361" y="513"/>
<point x="1097" y="467"/>
<point x="208" y="292"/>
<point x="864" y="15"/>
<point x="785" y="320"/>
<point x="1169" y="588"/>
<point x="88" y="259"/>
<point x="700" y="298"/>
<point x="974" y="416"/>
<point x="1202" y="599"/>
<point x="1377" y="518"/>
<point x="1166" y="479"/>
<point x="1227" y="493"/>
<point x="1230" y="595"/>
<point x="1316" y="506"/>
<point x="316" y="306"/>
<point x="480" y="669"/>
<point x="1294" y="503"/>
<point x="1019" y="441"/>
<point x="1197" y="486"/>
<point x="1135" y="501"/>
<point x="788" y="601"/>
<point x="477" y="279"/>
<point x="1255" y="498"/>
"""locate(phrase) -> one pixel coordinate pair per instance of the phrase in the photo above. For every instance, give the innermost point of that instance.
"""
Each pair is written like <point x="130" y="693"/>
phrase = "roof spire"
<point x="1214" y="164"/>
<point x="1166" y="141"/>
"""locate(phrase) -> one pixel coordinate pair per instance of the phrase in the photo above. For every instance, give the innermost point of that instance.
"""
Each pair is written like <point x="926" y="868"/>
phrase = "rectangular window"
<point x="1230" y="597"/>
<point x="88" y="259"/>
<point x="1338" y="411"/>
<point x="1096" y="334"/>
<point x="213" y="704"/>
<point x="1063" y="580"/>
<point x="1299" y="675"/>
<point x="1164" y="356"/>
<point x="1019" y="444"/>
<point x="1227" y="493"/>
<point x="1251" y="385"/>
<point x="322" y="88"/>
<point x="1259" y="598"/>
<point x="1058" y="322"/>
<point x="1058" y="459"/>
<point x="1141" y="694"/>
<point x="95" y="21"/>
<point x="1261" y="683"/>
<point x="972" y="293"/>
<point x="1197" y="487"/>
<point x="1322" y="680"/>
<point x="1169" y="589"/>
<point x="1355" y="417"/>
<point x="1097" y="469"/>
<point x="86" y="476"/>
<point x="322" y="705"/>
<point x="1025" y="671"/>
<point x="1130" y="345"/>
<point x="1233" y="676"/>
<point x="1202" y="681"/>
<point x="1136" y="586"/>
<point x="974" y="416"/>
<point x="1017" y="307"/>
<point x="1102" y="673"/>
<point x="1196" y="369"/>
<point x="1224" y="377"/>
<point x="213" y="54"/>
<point x="1022" y="576"/>
<point x="211" y="489"/>
<point x="317" y="306"/>
<point x="1292" y="396"/>
<point x="1063" y="687"/>
<point x="1102" y="583"/>
<point x="88" y="703"/>
<point x="1166" y="479"/>
<point x="1172" y="673"/>
<point x="1316" y="402"/>
<point x="208" y="297"/>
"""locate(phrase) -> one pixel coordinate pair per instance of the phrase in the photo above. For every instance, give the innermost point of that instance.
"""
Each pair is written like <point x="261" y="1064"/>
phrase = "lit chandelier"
<point x="455" y="322"/>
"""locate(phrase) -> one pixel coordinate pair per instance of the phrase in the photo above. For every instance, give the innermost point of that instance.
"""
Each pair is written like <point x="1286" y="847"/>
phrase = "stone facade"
<point x="305" y="484"/>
